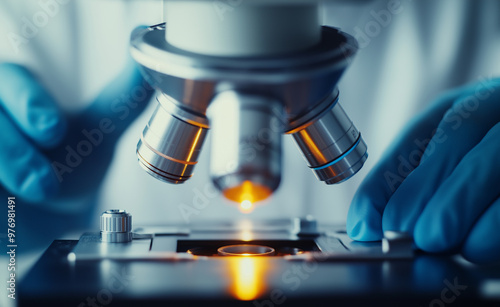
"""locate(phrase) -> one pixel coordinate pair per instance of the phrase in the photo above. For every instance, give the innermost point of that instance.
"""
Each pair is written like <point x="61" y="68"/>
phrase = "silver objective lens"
<point x="246" y="145"/>
<point x="331" y="144"/>
<point x="171" y="142"/>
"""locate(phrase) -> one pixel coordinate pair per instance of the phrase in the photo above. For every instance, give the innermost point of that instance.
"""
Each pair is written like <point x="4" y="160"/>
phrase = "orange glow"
<point x="247" y="277"/>
<point x="318" y="154"/>
<point x="193" y="146"/>
<point x="246" y="206"/>
<point x="247" y="194"/>
<point x="246" y="235"/>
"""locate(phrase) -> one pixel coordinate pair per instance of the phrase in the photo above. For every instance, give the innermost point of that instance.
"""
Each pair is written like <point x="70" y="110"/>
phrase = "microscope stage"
<point x="163" y="266"/>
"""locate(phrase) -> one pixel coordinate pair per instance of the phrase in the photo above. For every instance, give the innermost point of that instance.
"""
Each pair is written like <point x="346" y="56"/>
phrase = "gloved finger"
<point x="24" y="171"/>
<point x="483" y="243"/>
<point x="461" y="198"/>
<point x="30" y="106"/>
<point x="364" y="219"/>
<point x="462" y="128"/>
<point x="122" y="100"/>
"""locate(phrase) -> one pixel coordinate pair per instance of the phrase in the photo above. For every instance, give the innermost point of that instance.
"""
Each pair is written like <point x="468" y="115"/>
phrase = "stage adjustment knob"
<point x="116" y="226"/>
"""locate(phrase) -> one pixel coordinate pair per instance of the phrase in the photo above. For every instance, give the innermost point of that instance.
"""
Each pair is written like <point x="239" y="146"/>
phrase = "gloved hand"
<point x="440" y="180"/>
<point x="47" y="155"/>
<point x="54" y="162"/>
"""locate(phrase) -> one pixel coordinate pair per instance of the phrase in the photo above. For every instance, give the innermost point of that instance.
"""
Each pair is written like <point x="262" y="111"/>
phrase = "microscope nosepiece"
<point x="250" y="99"/>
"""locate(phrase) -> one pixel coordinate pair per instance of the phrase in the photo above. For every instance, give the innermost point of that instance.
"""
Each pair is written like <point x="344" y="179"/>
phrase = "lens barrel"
<point x="246" y="145"/>
<point x="331" y="145"/>
<point x="171" y="142"/>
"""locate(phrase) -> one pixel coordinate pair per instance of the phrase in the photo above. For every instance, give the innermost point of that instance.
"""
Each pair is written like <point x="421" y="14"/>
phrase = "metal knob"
<point x="116" y="226"/>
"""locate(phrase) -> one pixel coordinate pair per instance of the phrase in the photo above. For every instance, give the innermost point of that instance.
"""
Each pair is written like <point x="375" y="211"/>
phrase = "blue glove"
<point x="46" y="153"/>
<point x="440" y="180"/>
<point x="53" y="162"/>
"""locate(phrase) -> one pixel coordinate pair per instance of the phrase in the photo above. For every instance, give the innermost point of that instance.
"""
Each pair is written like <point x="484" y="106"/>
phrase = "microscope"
<point x="246" y="72"/>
